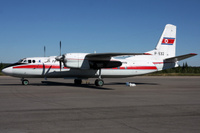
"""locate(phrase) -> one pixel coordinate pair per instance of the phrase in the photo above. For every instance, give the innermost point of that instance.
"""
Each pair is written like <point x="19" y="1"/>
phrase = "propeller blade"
<point x="44" y="51"/>
<point x="60" y="48"/>
<point x="60" y="65"/>
<point x="60" y="58"/>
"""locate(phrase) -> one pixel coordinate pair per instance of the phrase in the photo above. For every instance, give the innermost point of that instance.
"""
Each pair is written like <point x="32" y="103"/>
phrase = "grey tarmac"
<point x="155" y="105"/>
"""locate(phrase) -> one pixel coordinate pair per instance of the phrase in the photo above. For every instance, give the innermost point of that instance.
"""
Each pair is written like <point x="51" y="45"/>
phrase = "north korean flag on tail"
<point x="168" y="41"/>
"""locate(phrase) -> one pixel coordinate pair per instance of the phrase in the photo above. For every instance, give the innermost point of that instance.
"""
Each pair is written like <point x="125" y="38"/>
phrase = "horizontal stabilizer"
<point x="181" y="57"/>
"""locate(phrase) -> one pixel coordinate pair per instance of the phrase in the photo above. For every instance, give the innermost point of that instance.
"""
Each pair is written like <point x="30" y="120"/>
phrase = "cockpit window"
<point x="20" y="61"/>
<point x="24" y="61"/>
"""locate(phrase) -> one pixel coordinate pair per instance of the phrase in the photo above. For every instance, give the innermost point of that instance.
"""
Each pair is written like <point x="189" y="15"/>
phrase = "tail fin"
<point x="166" y="46"/>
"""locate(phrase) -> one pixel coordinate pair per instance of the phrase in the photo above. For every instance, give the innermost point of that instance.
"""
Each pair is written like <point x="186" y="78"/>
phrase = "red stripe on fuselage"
<point x="142" y="67"/>
<point x="58" y="67"/>
<point x="136" y="68"/>
<point x="162" y="62"/>
<point x="157" y="62"/>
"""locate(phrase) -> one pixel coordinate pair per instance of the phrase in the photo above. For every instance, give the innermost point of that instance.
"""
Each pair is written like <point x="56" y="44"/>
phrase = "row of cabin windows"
<point x="31" y="61"/>
<point x="27" y="61"/>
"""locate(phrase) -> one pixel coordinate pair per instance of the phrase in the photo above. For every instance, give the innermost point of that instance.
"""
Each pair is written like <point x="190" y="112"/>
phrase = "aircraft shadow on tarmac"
<point x="92" y="86"/>
<point x="86" y="85"/>
<point x="50" y="83"/>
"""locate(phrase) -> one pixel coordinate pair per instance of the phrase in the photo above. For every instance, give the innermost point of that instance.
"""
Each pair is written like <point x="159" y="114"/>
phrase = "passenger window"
<point x="29" y="61"/>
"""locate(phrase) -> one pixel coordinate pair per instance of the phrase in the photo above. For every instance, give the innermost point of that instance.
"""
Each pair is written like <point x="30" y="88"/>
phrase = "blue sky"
<point x="26" y="26"/>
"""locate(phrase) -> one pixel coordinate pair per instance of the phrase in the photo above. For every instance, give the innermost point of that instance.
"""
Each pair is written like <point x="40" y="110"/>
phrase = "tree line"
<point x="182" y="69"/>
<point x="2" y="65"/>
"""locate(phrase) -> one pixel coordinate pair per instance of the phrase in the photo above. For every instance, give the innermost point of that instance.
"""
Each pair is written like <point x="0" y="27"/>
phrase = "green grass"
<point x="1" y="74"/>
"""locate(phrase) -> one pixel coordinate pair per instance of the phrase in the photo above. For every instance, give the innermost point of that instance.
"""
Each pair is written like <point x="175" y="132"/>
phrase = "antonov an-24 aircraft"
<point x="100" y="65"/>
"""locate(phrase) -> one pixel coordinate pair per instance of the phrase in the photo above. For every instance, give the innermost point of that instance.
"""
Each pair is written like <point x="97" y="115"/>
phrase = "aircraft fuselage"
<point x="48" y="67"/>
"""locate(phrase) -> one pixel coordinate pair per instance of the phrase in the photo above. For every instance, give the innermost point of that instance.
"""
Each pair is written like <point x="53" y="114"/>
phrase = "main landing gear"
<point x="99" y="81"/>
<point x="24" y="81"/>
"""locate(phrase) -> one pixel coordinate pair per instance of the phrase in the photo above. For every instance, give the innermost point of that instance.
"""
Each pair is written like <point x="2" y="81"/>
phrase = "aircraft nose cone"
<point x="7" y="71"/>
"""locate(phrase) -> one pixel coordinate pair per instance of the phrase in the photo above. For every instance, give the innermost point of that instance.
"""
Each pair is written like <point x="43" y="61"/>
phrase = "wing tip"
<point x="193" y="54"/>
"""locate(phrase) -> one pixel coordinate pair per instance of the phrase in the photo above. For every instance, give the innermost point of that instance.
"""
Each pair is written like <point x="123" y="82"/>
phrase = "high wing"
<point x="103" y="60"/>
<point x="109" y="55"/>
<point x="181" y="57"/>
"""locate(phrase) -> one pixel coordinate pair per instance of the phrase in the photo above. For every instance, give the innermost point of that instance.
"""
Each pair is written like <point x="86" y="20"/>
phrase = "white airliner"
<point x="100" y="65"/>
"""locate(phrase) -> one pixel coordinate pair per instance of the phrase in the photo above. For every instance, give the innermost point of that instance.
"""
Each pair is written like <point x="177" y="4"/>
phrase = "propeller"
<point x="60" y="58"/>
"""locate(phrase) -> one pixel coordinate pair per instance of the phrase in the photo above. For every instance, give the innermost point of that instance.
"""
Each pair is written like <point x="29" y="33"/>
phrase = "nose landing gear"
<point x="24" y="81"/>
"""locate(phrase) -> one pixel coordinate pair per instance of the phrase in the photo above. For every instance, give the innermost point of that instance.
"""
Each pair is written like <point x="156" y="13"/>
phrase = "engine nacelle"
<point x="76" y="60"/>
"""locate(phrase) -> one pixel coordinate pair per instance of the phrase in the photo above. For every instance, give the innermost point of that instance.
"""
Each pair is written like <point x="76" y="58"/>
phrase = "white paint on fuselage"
<point x="49" y="67"/>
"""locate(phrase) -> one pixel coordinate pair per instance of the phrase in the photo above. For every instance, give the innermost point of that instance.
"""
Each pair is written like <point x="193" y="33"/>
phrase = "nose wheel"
<point x="25" y="82"/>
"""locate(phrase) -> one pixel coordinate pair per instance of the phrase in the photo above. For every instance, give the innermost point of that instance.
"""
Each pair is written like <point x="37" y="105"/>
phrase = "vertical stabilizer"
<point x="166" y="46"/>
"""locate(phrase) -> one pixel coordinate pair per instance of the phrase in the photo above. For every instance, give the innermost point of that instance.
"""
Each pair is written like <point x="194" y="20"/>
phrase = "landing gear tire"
<point x="99" y="82"/>
<point x="77" y="81"/>
<point x="25" y="82"/>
